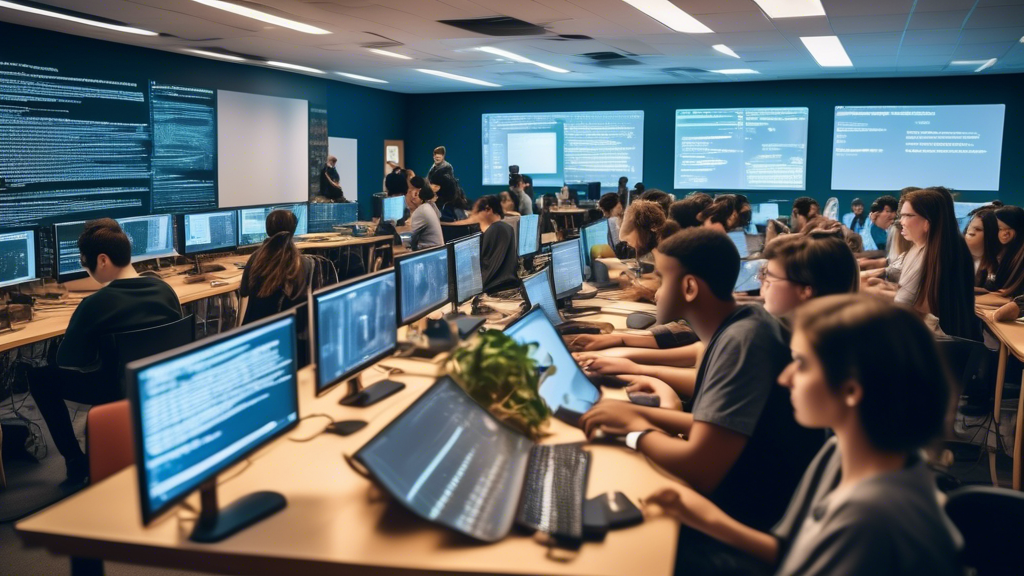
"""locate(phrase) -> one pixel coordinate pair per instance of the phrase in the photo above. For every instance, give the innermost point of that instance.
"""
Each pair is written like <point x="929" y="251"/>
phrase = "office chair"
<point x="988" y="519"/>
<point x="125" y="347"/>
<point x="109" y="442"/>
<point x="455" y="231"/>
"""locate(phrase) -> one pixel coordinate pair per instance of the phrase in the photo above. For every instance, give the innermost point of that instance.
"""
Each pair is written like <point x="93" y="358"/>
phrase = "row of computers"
<point x="205" y="407"/>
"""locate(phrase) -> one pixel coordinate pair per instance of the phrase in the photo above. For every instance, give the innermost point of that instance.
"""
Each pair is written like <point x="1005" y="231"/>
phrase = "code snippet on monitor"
<point x="70" y="144"/>
<point x="17" y="258"/>
<point x="184" y="158"/>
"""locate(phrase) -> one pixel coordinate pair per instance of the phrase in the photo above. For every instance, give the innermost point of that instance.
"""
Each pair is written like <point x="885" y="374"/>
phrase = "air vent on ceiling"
<point x="574" y="37"/>
<point x="609" y="59"/>
<point x="497" y="26"/>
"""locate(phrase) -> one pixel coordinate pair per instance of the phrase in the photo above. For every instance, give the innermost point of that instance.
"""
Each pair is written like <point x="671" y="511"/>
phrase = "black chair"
<point x="989" y="520"/>
<point x="455" y="231"/>
<point x="125" y="347"/>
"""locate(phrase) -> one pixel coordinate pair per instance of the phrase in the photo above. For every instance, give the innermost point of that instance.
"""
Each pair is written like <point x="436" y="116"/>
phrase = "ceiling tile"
<point x="911" y="61"/>
<point x="937" y="20"/>
<point x="925" y="37"/>
<point x="737" y="22"/>
<point x="996" y="16"/>
<point x="715" y="6"/>
<point x="868" y="24"/>
<point x="942" y="5"/>
<point x="866" y="7"/>
<point x="987" y="35"/>
<point x="982" y="51"/>
<point x="926" y="50"/>
<point x="873" y="61"/>
<point x="871" y="44"/>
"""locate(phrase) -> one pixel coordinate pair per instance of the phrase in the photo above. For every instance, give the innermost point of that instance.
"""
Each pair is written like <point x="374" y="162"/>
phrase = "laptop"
<point x="537" y="291"/>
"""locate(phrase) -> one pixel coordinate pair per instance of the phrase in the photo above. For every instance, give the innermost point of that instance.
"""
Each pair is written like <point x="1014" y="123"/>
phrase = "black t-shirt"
<point x="327" y="189"/>
<point x="499" y="257"/>
<point x="736" y="389"/>
<point x="121" y="306"/>
<point x="262" y="307"/>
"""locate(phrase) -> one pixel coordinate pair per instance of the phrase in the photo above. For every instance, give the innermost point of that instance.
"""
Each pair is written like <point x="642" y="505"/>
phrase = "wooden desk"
<point x="1011" y="341"/>
<point x="332" y="523"/>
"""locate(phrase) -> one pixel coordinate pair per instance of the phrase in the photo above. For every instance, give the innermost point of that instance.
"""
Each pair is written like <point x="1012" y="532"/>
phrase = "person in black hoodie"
<point x="499" y="255"/>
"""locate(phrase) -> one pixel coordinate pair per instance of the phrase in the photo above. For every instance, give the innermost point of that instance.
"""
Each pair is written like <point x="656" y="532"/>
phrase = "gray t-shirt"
<point x="890" y="524"/>
<point x="736" y="389"/>
<point x="525" y="204"/>
<point x="910" y="277"/>
<point x="426" y="227"/>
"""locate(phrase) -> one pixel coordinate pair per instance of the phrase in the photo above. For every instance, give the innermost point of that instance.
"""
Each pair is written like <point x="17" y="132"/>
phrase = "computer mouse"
<point x="345" y="427"/>
<point x="640" y="320"/>
<point x="150" y="273"/>
<point x="645" y="399"/>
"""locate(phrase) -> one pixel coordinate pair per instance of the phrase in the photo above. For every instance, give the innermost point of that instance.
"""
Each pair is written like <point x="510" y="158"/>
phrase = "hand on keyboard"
<point x="593" y="342"/>
<point x="599" y="364"/>
<point x="614" y="417"/>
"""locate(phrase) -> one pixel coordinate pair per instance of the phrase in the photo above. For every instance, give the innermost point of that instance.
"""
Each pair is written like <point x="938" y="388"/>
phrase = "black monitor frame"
<point x="398" y="284"/>
<point x="275" y="205"/>
<point x="314" y="309"/>
<point x="575" y="289"/>
<point x="65" y="277"/>
<point x="584" y="248"/>
<point x="179" y="222"/>
<point x="36" y="256"/>
<point x="131" y="374"/>
<point x="453" y="290"/>
<point x="546" y="271"/>
<point x="519" y="231"/>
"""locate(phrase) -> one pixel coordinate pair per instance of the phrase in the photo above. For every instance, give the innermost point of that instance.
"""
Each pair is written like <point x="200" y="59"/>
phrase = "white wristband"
<point x="633" y="438"/>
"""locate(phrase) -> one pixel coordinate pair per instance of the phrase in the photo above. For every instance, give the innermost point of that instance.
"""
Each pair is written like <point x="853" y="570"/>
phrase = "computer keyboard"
<point x="554" y="490"/>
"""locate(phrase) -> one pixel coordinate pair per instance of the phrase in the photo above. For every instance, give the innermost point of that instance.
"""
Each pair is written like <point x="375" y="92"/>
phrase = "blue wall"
<point x="454" y="121"/>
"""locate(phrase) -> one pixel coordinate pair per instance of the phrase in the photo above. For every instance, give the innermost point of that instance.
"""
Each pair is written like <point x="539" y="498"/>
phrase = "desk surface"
<point x="336" y="241"/>
<point x="333" y="520"/>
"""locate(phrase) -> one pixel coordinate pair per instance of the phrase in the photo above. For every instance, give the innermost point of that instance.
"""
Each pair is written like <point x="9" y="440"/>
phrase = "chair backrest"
<point x="455" y="231"/>
<point x="989" y="520"/>
<point x="109" y="441"/>
<point x="138" y="344"/>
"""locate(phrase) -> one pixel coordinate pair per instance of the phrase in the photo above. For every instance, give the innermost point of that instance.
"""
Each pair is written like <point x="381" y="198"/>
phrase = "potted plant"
<point x="503" y="376"/>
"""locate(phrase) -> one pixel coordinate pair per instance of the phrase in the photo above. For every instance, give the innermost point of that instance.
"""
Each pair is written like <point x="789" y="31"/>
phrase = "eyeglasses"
<point x="902" y="215"/>
<point x="766" y="277"/>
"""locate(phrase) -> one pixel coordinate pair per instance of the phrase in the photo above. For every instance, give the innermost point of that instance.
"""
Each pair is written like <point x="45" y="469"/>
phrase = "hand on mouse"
<point x="615" y="418"/>
<point x="651" y="385"/>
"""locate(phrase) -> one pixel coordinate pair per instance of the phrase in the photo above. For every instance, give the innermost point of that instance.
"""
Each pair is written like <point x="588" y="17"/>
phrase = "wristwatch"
<point x="633" y="438"/>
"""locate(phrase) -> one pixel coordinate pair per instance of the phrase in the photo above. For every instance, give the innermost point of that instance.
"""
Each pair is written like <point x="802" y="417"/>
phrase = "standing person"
<point x="517" y="189"/>
<point x="77" y="372"/>
<point x="623" y="188"/>
<point x="499" y="254"/>
<point x="330" y="181"/>
<point x="440" y="165"/>
<point x="867" y="504"/>
<point x="426" y="218"/>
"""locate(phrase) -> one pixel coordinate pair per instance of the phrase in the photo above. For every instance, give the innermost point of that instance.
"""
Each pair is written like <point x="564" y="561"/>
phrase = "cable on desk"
<point x="314" y="435"/>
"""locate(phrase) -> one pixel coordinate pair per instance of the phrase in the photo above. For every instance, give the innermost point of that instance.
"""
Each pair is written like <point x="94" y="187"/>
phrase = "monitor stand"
<point x="362" y="397"/>
<point x="566" y="305"/>
<point x="200" y="268"/>
<point x="215" y="524"/>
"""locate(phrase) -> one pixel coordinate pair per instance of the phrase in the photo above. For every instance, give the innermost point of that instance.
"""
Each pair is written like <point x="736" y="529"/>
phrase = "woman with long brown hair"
<point x="982" y="237"/>
<point x="277" y="276"/>
<point x="1009" y="274"/>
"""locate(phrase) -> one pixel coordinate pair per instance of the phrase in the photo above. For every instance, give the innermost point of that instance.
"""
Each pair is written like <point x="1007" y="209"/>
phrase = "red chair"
<point x="109" y="441"/>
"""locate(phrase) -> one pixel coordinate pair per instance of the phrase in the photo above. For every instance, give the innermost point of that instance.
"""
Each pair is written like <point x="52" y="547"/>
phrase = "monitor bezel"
<point x="238" y="221"/>
<point x="69" y="276"/>
<point x="453" y="291"/>
<point x="519" y="230"/>
<point x="585" y="250"/>
<point x="131" y="374"/>
<point x="180" y="223"/>
<point x="314" y="335"/>
<point x="546" y="271"/>
<point x="398" y="284"/>
<point x="36" y="260"/>
<point x="575" y="289"/>
<point x="144" y="257"/>
<point x="384" y="201"/>
<point x="309" y="213"/>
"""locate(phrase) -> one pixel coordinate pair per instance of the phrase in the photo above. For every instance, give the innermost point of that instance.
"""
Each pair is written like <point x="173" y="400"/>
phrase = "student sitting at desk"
<point x="277" y="276"/>
<point x="612" y="210"/>
<point x="727" y="212"/>
<point x="982" y="238"/>
<point x="510" y="208"/>
<point x="426" y="218"/>
<point x="686" y="211"/>
<point x="867" y="504"/>
<point x="1008" y="279"/>
<point x="499" y="254"/>
<point x="742" y="447"/>
<point x="127" y="302"/>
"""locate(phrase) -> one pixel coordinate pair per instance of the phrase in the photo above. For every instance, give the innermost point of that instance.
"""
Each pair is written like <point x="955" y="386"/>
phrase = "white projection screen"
<point x="262" y="149"/>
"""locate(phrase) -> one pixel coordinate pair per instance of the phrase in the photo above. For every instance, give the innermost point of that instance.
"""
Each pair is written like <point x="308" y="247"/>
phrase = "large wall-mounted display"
<point x="887" y="147"/>
<point x="555" y="148"/>
<point x="741" y="149"/>
<point x="184" y="161"/>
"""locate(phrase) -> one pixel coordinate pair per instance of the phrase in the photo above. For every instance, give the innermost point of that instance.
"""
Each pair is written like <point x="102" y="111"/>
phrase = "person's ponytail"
<point x="277" y="265"/>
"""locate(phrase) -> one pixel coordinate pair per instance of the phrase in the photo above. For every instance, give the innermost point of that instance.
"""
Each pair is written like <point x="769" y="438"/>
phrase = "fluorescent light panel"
<point x="76" y="19"/>
<point x="363" y="78"/>
<point x="451" y="76"/>
<point x="791" y="8"/>
<point x="670" y="15"/>
<point x="828" y="51"/>
<point x="390" y="54"/>
<point x="518" y="58"/>
<point x="262" y="16"/>
<point x="735" y="71"/>
<point x="215" y="55"/>
<point x="725" y="50"/>
<point x="988" y="64"/>
<point x="294" y="67"/>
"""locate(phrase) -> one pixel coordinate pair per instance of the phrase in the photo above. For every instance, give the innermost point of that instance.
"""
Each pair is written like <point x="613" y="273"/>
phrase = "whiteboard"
<point x="262" y="149"/>
<point x="344" y="149"/>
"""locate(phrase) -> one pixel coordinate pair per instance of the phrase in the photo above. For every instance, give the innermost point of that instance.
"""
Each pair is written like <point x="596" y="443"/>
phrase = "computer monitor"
<point x="529" y="235"/>
<point x="69" y="263"/>
<point x="421" y="459"/>
<point x="393" y="208"/>
<point x="568" y="389"/>
<point x="422" y="283"/>
<point x="565" y="268"/>
<point x="761" y="213"/>
<point x="17" y="257"/>
<point x="539" y="293"/>
<point x="748" y="279"/>
<point x="739" y="239"/>
<point x="465" y="259"/>
<point x="206" y="232"/>
<point x="200" y="409"/>
<point x="593" y="190"/>
<point x="593" y="234"/>
<point x="151" y="236"/>
<point x="324" y="216"/>
<point x="252" y="222"/>
<point x="355" y="324"/>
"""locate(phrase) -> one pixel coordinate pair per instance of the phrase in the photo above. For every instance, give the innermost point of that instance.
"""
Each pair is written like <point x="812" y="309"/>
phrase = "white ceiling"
<point x="884" y="38"/>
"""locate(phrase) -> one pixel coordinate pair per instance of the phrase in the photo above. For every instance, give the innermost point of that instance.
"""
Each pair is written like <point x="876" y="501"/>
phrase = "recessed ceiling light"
<point x="263" y="16"/>
<point x="363" y="78"/>
<point x="77" y="19"/>
<point x="725" y="50"/>
<point x="391" y="54"/>
<point x="988" y="64"/>
<point x="451" y="76"/>
<point x="791" y="8"/>
<point x="967" y="62"/>
<point x="518" y="58"/>
<point x="828" y="51"/>
<point x="294" y="67"/>
<point x="735" y="71"/>
<point x="670" y="15"/>
<point x="215" y="55"/>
